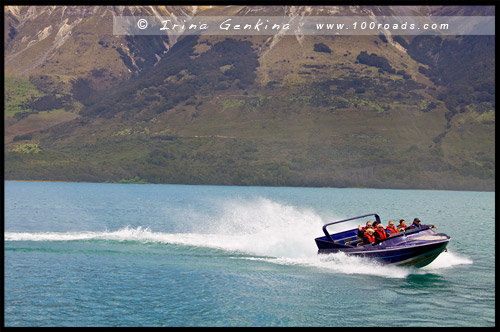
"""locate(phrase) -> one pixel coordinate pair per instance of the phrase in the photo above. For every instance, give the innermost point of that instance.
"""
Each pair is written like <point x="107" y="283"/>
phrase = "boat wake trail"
<point x="259" y="227"/>
<point x="258" y="230"/>
<point x="342" y="263"/>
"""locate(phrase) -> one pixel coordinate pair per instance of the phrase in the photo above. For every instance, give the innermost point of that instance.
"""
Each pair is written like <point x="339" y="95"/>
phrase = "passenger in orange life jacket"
<point x="380" y="233"/>
<point x="402" y="225"/>
<point x="391" y="229"/>
<point x="368" y="236"/>
<point x="362" y="230"/>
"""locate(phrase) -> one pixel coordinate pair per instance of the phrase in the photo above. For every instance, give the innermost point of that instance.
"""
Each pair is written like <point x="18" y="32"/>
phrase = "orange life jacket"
<point x="392" y="230"/>
<point x="371" y="238"/>
<point x="383" y="234"/>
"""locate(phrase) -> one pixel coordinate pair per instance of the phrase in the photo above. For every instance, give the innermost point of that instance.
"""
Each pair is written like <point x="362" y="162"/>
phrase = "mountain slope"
<point x="362" y="111"/>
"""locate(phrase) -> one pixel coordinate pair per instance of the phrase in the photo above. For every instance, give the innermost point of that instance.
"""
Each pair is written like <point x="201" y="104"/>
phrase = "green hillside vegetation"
<point x="465" y="67"/>
<point x="18" y="93"/>
<point x="179" y="77"/>
<point x="215" y="111"/>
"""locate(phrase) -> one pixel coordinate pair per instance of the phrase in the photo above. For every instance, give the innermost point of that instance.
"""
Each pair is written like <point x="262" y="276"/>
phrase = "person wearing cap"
<point x="368" y="237"/>
<point x="416" y="224"/>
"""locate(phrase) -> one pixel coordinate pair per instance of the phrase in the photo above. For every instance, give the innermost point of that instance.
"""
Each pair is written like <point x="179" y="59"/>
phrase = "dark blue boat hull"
<point x="417" y="249"/>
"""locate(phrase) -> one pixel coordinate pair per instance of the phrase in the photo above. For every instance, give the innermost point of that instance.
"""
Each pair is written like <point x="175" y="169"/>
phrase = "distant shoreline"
<point x="223" y="185"/>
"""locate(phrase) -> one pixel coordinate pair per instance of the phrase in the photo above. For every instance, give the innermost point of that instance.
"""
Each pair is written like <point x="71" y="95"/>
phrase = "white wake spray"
<point x="261" y="230"/>
<point x="447" y="259"/>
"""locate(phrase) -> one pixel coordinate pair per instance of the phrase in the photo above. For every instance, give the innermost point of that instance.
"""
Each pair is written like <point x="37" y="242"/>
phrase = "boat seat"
<point x="355" y="242"/>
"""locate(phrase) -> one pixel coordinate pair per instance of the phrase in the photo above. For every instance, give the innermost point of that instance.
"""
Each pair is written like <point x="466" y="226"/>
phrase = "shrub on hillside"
<point x="322" y="48"/>
<point x="375" y="60"/>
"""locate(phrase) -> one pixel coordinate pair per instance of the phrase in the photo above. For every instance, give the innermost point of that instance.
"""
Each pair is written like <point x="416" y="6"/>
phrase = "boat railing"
<point x="329" y="237"/>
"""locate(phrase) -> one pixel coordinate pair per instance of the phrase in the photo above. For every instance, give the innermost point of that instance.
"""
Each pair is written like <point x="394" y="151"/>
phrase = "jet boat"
<point x="415" y="247"/>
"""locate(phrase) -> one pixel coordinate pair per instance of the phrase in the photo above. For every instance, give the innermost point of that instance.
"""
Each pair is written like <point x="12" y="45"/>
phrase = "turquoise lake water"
<point x="85" y="254"/>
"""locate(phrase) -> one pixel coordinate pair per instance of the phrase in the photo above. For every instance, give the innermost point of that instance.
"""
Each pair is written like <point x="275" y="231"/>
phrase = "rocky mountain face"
<point x="75" y="40"/>
<point x="384" y="111"/>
